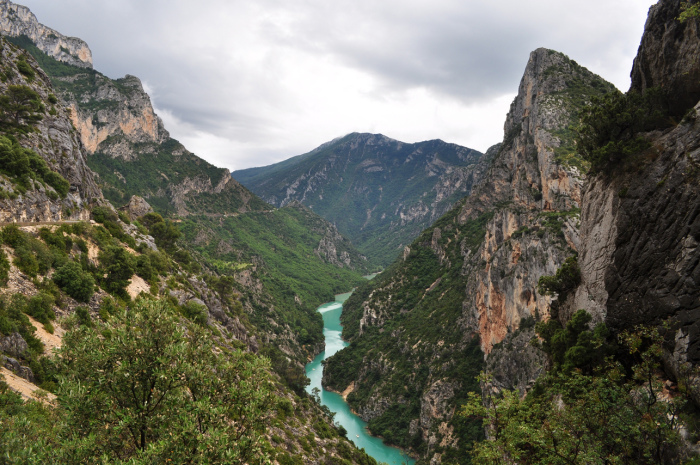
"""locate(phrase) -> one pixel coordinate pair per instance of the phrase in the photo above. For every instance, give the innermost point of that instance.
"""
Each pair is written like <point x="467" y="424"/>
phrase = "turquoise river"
<point x="356" y="428"/>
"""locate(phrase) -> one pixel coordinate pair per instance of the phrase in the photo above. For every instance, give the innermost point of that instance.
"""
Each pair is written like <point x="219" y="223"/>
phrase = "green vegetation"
<point x="611" y="127"/>
<point x="74" y="281"/>
<point x="20" y="107"/>
<point x="24" y="166"/>
<point x="281" y="243"/>
<point x="689" y="10"/>
<point x="414" y="354"/>
<point x="565" y="280"/>
<point x="608" y="413"/>
<point x="141" y="388"/>
<point x="363" y="188"/>
<point x="580" y="87"/>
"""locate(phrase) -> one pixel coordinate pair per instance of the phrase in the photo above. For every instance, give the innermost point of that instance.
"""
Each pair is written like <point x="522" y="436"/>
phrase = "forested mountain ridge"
<point x="379" y="192"/>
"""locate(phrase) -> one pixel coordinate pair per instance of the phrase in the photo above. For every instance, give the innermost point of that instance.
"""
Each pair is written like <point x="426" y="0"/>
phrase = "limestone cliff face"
<point x="473" y="274"/>
<point x="54" y="140"/>
<point x="112" y="108"/>
<point x="640" y="222"/>
<point x="17" y="20"/>
<point x="668" y="57"/>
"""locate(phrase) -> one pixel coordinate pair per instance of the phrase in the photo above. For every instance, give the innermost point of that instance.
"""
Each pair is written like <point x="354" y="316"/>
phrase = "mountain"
<point x="129" y="149"/>
<point x="379" y="192"/>
<point x="419" y="331"/>
<point x="562" y="287"/>
<point x="232" y="276"/>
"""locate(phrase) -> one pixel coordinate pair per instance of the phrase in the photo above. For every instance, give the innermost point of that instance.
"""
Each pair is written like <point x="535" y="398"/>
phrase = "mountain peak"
<point x="17" y="20"/>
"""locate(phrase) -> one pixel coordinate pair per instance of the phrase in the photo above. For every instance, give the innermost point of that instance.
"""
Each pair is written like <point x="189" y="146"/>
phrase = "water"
<point x="352" y="423"/>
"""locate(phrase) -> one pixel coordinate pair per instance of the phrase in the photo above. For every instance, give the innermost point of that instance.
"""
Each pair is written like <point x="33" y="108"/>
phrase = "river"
<point x="356" y="428"/>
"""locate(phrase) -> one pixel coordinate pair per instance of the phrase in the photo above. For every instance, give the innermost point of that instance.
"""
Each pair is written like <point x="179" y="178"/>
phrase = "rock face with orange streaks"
<point x="471" y="278"/>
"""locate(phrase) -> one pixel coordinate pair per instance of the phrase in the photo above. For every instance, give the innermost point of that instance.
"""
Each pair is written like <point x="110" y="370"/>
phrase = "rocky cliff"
<point x="473" y="274"/>
<point x="17" y="20"/>
<point x="379" y="192"/>
<point x="640" y="222"/>
<point x="51" y="137"/>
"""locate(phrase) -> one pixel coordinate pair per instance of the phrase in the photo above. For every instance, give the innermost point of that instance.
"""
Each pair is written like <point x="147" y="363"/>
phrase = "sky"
<point x="245" y="83"/>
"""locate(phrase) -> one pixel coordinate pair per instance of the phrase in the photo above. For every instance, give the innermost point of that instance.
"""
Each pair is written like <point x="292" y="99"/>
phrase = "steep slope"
<point x="467" y="284"/>
<point x="640" y="225"/>
<point x="379" y="192"/>
<point x="33" y="119"/>
<point x="68" y="278"/>
<point x="17" y="20"/>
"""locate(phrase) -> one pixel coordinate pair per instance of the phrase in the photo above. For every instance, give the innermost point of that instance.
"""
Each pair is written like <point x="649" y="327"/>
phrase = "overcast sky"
<point x="247" y="83"/>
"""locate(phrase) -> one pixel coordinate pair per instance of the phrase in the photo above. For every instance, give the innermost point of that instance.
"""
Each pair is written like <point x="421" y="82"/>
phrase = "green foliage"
<point x="566" y="279"/>
<point x="610" y="127"/>
<point x="40" y="307"/>
<point x="24" y="68"/>
<point x="23" y="164"/>
<point x="4" y="269"/>
<point x="571" y="417"/>
<point x="148" y="393"/>
<point x="74" y="281"/>
<point x="574" y="346"/>
<point x="689" y="10"/>
<point x="195" y="312"/>
<point x="119" y="266"/>
<point x="32" y="256"/>
<point x="20" y="106"/>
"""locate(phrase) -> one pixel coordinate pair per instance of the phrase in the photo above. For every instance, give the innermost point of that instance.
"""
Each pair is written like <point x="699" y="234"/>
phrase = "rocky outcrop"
<point x="13" y="345"/>
<point x="668" y="57"/>
<point x="54" y="139"/>
<point x="137" y="207"/>
<point x="17" y="20"/>
<point x="640" y="222"/>
<point x="118" y="109"/>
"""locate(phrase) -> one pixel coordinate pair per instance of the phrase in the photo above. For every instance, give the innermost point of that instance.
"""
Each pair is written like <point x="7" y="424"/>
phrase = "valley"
<point x="535" y="303"/>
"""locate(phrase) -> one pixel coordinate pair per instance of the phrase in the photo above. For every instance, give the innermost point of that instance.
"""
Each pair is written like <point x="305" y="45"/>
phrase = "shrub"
<point x="610" y="127"/>
<point x="195" y="312"/>
<point x="75" y="282"/>
<point x="40" y="307"/>
<point x="4" y="268"/>
<point x="565" y="280"/>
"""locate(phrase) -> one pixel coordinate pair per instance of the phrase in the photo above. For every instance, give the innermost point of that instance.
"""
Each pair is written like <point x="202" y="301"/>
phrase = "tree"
<point x="76" y="282"/>
<point x="119" y="266"/>
<point x="147" y="387"/>
<point x="572" y="418"/>
<point x="21" y="104"/>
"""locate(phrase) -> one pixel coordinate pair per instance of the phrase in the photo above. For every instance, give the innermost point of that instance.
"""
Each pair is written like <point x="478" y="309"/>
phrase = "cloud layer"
<point x="245" y="83"/>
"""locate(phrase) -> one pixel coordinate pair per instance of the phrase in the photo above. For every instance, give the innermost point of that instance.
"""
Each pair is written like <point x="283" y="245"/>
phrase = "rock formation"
<point x="17" y="20"/>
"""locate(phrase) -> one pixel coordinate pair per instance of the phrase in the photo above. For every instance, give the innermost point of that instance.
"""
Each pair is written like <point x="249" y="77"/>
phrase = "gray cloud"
<point x="253" y="82"/>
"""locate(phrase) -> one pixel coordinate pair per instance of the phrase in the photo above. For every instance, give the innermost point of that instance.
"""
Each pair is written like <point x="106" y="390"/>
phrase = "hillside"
<point x="132" y="154"/>
<point x="76" y="274"/>
<point x="379" y="192"/>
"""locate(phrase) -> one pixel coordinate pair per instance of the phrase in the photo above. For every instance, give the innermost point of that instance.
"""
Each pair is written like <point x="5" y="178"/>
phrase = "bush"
<point x="40" y="307"/>
<point x="565" y="280"/>
<point x="195" y="312"/>
<point x="4" y="269"/>
<point x="75" y="282"/>
<point x="610" y="126"/>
